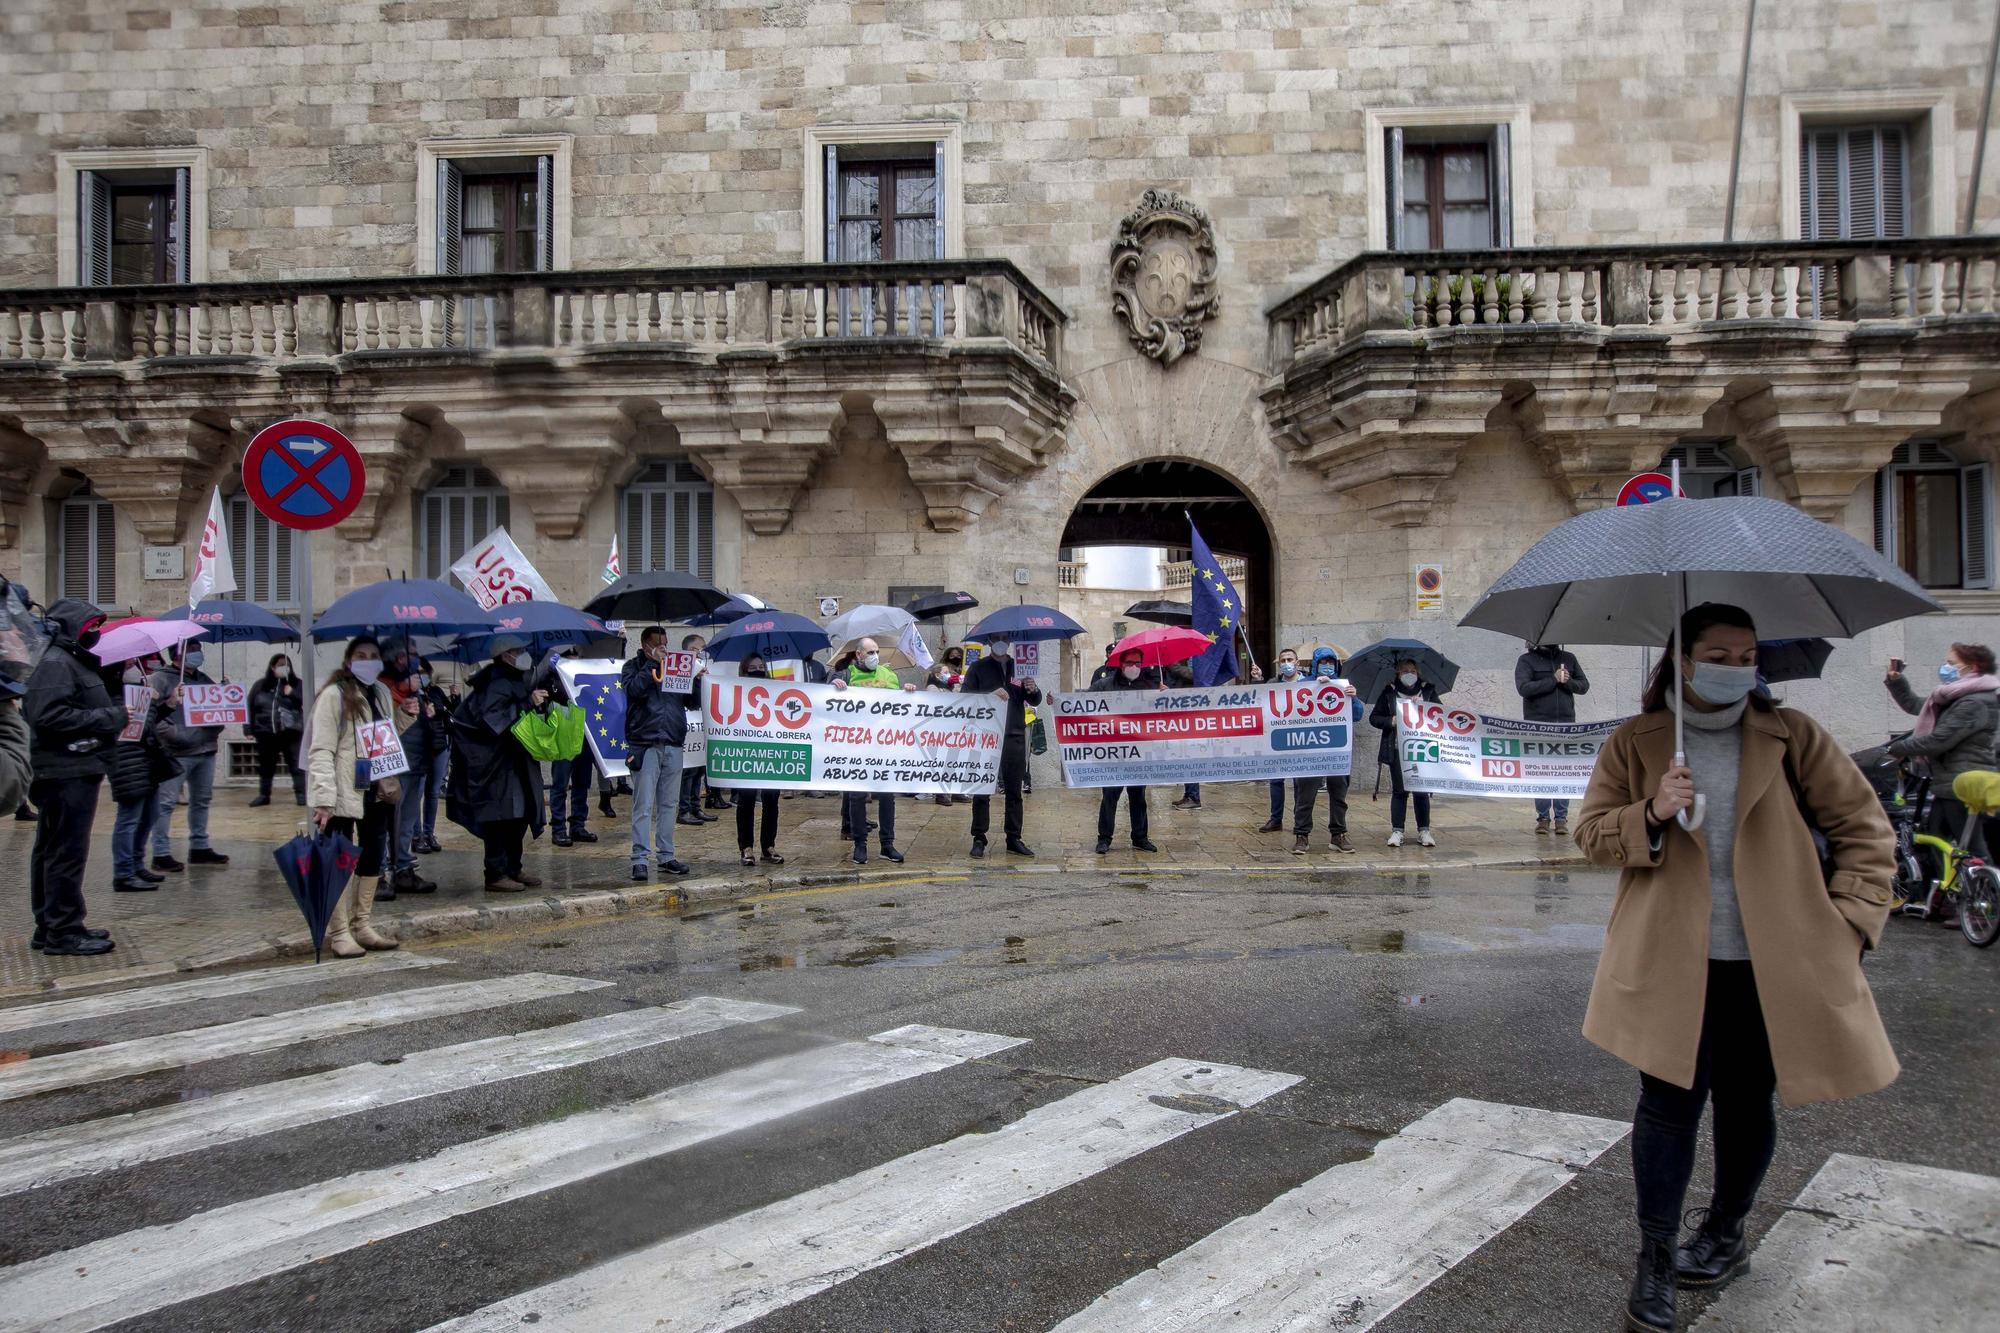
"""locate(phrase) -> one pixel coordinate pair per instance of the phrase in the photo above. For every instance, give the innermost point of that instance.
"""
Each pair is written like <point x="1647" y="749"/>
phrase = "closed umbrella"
<point x="775" y="636"/>
<point x="1626" y="576"/>
<point x="1370" y="668"/>
<point x="1159" y="647"/>
<point x="1027" y="623"/>
<point x="938" y="605"/>
<point x="1162" y="612"/>
<point x="665" y="596"/>
<point x="316" y="868"/>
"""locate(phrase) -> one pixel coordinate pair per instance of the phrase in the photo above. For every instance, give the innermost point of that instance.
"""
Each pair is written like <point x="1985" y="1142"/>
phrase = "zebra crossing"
<point x="1346" y="1248"/>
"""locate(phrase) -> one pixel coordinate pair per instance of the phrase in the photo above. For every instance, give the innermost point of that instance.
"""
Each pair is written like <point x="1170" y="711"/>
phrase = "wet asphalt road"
<point x="1387" y="995"/>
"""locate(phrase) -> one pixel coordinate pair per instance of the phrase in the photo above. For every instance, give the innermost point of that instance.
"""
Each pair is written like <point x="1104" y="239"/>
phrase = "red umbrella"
<point x="1162" y="646"/>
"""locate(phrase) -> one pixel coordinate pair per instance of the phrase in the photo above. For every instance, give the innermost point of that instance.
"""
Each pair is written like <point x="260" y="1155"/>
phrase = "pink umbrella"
<point x="1160" y="647"/>
<point x="144" y="638"/>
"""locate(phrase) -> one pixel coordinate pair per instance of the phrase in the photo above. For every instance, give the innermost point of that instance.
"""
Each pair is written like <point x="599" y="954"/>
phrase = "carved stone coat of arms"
<point x="1163" y="275"/>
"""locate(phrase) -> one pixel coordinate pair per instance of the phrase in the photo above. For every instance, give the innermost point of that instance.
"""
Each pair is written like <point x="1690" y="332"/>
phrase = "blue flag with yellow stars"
<point x="1218" y="611"/>
<point x="594" y="686"/>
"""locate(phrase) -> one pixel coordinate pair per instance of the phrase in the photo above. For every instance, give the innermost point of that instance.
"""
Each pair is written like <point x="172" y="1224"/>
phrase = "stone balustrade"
<point x="1179" y="574"/>
<point x="1069" y="574"/>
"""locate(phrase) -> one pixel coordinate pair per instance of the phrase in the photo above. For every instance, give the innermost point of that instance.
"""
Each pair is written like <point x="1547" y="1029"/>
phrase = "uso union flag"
<point x="594" y="686"/>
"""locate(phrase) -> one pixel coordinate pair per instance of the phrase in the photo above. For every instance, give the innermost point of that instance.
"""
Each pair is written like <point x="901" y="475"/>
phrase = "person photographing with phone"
<point x="1954" y="731"/>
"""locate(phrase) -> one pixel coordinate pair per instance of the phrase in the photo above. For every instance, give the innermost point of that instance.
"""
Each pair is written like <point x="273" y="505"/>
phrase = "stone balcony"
<point x="1816" y="359"/>
<point x="555" y="381"/>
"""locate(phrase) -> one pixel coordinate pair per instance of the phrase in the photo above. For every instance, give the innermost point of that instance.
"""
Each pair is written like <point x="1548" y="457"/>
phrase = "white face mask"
<point x="1129" y="672"/>
<point x="134" y="676"/>
<point x="1288" y="669"/>
<point x="281" y="671"/>
<point x="519" y="661"/>
<point x="1407" y="679"/>
<point x="870" y="661"/>
<point x="422" y="680"/>
<point x="367" y="670"/>
<point x="1714" y="683"/>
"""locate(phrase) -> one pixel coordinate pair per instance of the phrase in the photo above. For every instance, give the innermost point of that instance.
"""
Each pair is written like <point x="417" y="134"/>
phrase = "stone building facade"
<point x="1451" y="270"/>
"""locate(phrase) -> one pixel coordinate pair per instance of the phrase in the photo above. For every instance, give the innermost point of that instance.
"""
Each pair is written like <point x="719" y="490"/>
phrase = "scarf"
<point x="1949" y="693"/>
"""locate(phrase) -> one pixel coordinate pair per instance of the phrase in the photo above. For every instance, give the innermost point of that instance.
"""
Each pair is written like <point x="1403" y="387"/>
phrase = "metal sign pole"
<point x="306" y="620"/>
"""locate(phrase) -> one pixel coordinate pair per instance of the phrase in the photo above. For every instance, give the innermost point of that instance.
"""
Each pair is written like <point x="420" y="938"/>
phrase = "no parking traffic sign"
<point x="303" y="474"/>
<point x="1647" y="488"/>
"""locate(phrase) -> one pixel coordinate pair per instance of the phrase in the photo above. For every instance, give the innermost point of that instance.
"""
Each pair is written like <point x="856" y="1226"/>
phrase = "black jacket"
<point x="991" y="673"/>
<point x="1543" y="699"/>
<point x="652" y="715"/>
<point x="492" y="776"/>
<point x="1383" y="715"/>
<point x="428" y="737"/>
<point x="177" y="738"/>
<point x="1110" y="679"/>
<point x="73" y="716"/>
<point x="275" y="707"/>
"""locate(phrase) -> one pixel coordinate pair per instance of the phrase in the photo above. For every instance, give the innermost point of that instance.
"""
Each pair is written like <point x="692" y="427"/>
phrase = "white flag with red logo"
<point x="613" y="571"/>
<point x="214" y="571"/>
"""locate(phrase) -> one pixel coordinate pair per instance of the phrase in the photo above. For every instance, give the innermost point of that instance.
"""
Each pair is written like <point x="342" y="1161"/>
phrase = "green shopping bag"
<point x="554" y="733"/>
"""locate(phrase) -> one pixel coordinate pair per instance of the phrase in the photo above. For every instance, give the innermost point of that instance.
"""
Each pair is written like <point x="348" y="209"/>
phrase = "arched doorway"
<point x="1148" y="505"/>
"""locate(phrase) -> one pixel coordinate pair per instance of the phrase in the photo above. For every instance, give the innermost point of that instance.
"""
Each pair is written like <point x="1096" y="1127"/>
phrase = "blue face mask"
<point x="1947" y="673"/>
<point x="1714" y="683"/>
<point x="1327" y="671"/>
<point x="193" y="659"/>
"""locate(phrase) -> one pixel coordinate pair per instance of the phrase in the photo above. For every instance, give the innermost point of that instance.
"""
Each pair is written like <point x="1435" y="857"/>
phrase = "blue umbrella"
<point x="739" y="605"/>
<point x="403" y="608"/>
<point x="545" y="625"/>
<point x="1370" y="668"/>
<point x="231" y="621"/>
<point x="772" y="635"/>
<point x="1024" y="624"/>
<point x="316" y="868"/>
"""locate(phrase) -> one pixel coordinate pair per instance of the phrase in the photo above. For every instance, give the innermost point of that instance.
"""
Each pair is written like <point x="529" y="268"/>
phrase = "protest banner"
<point x="138" y="703"/>
<point x="594" y="685"/>
<point x="770" y="734"/>
<point x="224" y="705"/>
<point x="495" y="573"/>
<point x="378" y="751"/>
<point x="1028" y="661"/>
<point x="677" y="672"/>
<point x="694" y="750"/>
<point x="1227" y="733"/>
<point x="1449" y="751"/>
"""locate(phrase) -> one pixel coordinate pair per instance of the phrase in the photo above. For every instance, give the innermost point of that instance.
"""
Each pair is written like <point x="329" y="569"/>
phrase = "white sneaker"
<point x="1396" y="838"/>
<point x="1424" y="838"/>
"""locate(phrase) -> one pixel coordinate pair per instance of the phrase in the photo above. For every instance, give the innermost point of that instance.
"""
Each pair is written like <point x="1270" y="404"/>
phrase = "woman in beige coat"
<point x="1732" y="966"/>
<point x="340" y="801"/>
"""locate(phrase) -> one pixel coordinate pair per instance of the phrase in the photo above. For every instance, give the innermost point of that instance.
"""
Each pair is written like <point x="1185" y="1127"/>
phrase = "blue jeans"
<point x="1191" y="792"/>
<point x="433" y="791"/>
<point x="410" y="811"/>
<point x="198" y="773"/>
<point x="1560" y="810"/>
<point x="569" y="794"/>
<point x="129" y="833"/>
<point x="656" y="799"/>
<point x="1278" y="800"/>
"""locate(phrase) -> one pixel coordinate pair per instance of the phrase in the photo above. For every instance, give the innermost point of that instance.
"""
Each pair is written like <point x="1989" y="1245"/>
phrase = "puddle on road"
<point x="1389" y="941"/>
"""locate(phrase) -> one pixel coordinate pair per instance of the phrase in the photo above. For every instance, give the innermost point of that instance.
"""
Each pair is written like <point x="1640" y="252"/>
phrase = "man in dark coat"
<point x="1129" y="674"/>
<point x="495" y="791"/>
<point x="655" y="731"/>
<point x="994" y="674"/>
<point x="1549" y="680"/>
<point x="75" y="723"/>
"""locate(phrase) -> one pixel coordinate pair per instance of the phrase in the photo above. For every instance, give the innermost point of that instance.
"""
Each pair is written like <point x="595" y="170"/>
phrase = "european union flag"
<point x="1218" y="611"/>
<point x="595" y="687"/>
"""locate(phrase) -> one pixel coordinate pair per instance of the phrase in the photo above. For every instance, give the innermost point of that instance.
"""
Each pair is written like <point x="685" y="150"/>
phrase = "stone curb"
<point x="442" y="923"/>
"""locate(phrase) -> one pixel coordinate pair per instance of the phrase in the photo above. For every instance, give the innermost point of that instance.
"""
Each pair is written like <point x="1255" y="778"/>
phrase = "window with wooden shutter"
<point x="263" y="554"/>
<point x="87" y="548"/>
<point x="1854" y="183"/>
<point x="1934" y="516"/>
<point x="132" y="226"/>
<point x="1976" y="524"/>
<point x="669" y="520"/>
<point x="1449" y="193"/>
<point x="465" y="504"/>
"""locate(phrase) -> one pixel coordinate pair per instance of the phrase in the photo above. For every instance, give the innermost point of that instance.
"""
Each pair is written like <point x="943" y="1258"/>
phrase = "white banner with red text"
<point x="1449" y="751"/>
<point x="496" y="573"/>
<point x="795" y="736"/>
<point x="1227" y="733"/>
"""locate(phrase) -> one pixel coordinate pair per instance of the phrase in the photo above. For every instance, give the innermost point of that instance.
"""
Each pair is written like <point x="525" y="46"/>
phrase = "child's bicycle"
<point x="1933" y="875"/>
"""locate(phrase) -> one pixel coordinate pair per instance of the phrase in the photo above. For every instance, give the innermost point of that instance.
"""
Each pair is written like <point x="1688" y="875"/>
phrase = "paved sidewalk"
<point x="210" y="916"/>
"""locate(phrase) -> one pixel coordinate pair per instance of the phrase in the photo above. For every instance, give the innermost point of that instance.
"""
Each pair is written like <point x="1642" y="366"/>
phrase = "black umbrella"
<point x="938" y="605"/>
<point x="316" y="869"/>
<point x="1781" y="660"/>
<point x="665" y="596"/>
<point x="1370" y="668"/>
<point x="1162" y="612"/>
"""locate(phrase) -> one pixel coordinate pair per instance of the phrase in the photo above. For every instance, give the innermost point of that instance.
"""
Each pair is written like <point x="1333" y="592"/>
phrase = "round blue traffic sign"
<point x="1646" y="488"/>
<point x="303" y="474"/>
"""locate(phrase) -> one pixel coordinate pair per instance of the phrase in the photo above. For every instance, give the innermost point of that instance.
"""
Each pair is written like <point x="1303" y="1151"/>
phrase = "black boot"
<point x="1714" y="1254"/>
<point x="1650" y="1307"/>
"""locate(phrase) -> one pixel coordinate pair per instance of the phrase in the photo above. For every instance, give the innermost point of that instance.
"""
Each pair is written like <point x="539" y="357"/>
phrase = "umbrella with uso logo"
<point x="1025" y="624"/>
<point x="399" y="608"/>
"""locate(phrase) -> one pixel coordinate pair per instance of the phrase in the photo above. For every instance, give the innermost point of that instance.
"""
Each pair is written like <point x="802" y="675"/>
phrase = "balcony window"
<point x="264" y="556"/>
<point x="1448" y="190"/>
<point x="1711" y="469"/>
<point x="131" y="215"/>
<point x="465" y="504"/>
<point x="669" y="520"/>
<point x="1934" y="516"/>
<point x="87" y="548"/>
<point x="885" y="209"/>
<point x="494" y="217"/>
<point x="1854" y="182"/>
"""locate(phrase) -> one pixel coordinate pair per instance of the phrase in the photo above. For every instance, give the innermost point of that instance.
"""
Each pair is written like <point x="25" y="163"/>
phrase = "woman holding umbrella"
<point x="342" y="800"/>
<point x="1732" y="964"/>
<point x="277" y="721"/>
<point x="1407" y="683"/>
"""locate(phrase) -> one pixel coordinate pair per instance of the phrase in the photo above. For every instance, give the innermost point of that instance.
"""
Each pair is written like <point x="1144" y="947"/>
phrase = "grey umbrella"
<point x="1626" y="575"/>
